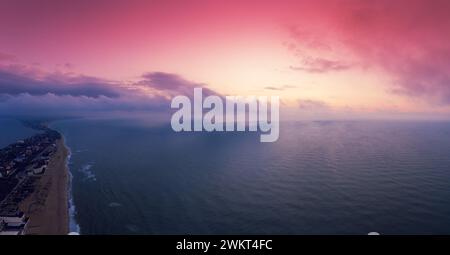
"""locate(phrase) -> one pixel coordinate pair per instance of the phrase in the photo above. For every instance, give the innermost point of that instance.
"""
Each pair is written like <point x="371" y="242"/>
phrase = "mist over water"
<point x="319" y="178"/>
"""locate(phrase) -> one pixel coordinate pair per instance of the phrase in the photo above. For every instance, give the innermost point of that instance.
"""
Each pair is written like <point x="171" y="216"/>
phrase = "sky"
<point x="325" y="59"/>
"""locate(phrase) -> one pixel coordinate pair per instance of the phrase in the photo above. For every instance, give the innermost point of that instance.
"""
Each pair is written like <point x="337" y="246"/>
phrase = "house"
<point x="13" y="224"/>
<point x="10" y="232"/>
<point x="5" y="230"/>
<point x="13" y="217"/>
<point x="19" y="159"/>
<point x="39" y="169"/>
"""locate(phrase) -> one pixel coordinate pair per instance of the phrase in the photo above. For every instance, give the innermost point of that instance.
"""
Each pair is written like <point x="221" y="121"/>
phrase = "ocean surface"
<point x="12" y="130"/>
<point x="324" y="177"/>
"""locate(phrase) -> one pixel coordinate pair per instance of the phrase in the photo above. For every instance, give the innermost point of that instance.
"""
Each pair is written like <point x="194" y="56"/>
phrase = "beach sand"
<point x="47" y="207"/>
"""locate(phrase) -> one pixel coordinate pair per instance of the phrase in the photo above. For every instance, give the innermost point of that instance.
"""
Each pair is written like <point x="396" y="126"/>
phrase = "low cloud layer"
<point x="14" y="82"/>
<point x="27" y="91"/>
<point x="171" y="84"/>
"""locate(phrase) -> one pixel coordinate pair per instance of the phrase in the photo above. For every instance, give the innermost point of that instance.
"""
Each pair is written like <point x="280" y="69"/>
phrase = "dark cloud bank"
<point x="24" y="92"/>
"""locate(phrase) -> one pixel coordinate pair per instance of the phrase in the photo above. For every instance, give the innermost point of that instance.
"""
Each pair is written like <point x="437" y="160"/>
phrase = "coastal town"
<point x="22" y="165"/>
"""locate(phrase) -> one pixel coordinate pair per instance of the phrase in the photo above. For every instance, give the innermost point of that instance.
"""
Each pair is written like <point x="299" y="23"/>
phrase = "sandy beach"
<point x="47" y="207"/>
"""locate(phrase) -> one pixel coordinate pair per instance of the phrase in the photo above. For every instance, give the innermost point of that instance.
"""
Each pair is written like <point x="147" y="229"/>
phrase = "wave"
<point x="87" y="172"/>
<point x="73" y="225"/>
<point x="114" y="204"/>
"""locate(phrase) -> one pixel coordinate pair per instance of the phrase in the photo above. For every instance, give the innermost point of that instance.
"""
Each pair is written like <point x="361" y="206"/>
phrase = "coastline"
<point x="74" y="228"/>
<point x="47" y="208"/>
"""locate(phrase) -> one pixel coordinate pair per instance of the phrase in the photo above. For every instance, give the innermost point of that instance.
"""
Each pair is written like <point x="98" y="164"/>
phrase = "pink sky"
<point x="323" y="58"/>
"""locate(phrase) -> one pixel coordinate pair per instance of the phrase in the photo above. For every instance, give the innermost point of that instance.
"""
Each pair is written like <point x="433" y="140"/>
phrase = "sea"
<point x="13" y="130"/>
<point x="320" y="177"/>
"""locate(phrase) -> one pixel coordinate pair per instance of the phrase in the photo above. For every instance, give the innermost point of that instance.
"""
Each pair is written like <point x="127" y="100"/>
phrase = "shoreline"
<point x="48" y="207"/>
<point x="74" y="228"/>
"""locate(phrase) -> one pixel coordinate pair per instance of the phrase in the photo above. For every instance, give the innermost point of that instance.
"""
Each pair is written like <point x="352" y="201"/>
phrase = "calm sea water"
<point x="319" y="178"/>
<point x="12" y="130"/>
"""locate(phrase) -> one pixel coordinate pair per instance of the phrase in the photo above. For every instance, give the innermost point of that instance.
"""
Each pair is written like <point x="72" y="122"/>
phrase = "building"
<point x="13" y="224"/>
<point x="39" y="169"/>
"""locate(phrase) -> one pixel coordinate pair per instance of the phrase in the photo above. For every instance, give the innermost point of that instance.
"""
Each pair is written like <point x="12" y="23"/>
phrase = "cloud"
<point x="405" y="39"/>
<point x="316" y="51"/>
<point x="26" y="104"/>
<point x="321" y="65"/>
<point x="305" y="38"/>
<point x="410" y="44"/>
<point x="171" y="84"/>
<point x="309" y="105"/>
<point x="29" y="91"/>
<point x="280" y="88"/>
<point x="14" y="81"/>
<point x="5" y="57"/>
